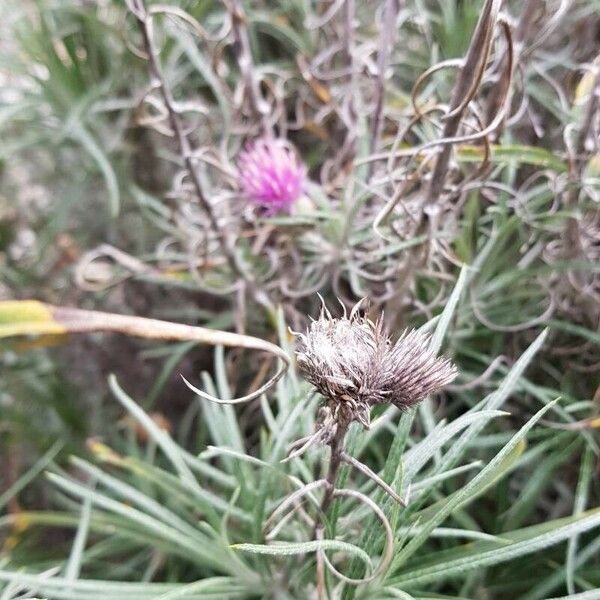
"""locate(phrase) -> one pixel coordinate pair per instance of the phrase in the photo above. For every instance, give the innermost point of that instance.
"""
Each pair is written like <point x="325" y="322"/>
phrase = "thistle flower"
<point x="271" y="175"/>
<point x="353" y="363"/>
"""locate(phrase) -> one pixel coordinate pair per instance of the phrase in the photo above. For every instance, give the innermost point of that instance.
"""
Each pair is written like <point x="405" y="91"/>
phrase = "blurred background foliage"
<point x="96" y="211"/>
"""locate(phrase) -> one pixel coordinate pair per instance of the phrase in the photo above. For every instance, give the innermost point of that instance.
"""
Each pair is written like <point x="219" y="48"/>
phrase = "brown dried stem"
<point x="577" y="164"/>
<point x="246" y="63"/>
<point x="143" y="19"/>
<point x="349" y="147"/>
<point x="336" y="446"/>
<point x="502" y="93"/>
<point x="386" y="41"/>
<point x="526" y="21"/>
<point x="466" y="87"/>
<point x="586" y="124"/>
<point x="30" y="317"/>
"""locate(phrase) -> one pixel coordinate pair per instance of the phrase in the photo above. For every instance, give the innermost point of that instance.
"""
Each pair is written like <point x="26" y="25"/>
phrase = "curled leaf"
<point x="30" y="317"/>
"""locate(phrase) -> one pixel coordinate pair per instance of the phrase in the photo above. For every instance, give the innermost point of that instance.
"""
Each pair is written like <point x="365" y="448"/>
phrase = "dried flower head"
<point x="271" y="174"/>
<point x="354" y="365"/>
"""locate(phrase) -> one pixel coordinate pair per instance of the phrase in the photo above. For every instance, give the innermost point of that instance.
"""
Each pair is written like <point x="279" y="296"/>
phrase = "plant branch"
<point x="373" y="476"/>
<point x="337" y="450"/>
<point x="465" y="88"/>
<point x="349" y="147"/>
<point x="143" y="19"/>
<point x="336" y="445"/>
<point x="386" y="41"/>
<point x="578" y="154"/>
<point x="572" y="238"/>
<point x="502" y="94"/>
<point x="246" y="63"/>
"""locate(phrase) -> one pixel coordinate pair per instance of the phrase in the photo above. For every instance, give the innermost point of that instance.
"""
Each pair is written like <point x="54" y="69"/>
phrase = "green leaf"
<point x="162" y="438"/>
<point x="418" y="456"/>
<point x="542" y="590"/>
<point x="449" y="310"/>
<point x="199" y="546"/>
<point x="581" y="499"/>
<point x="60" y="588"/>
<point x="481" y="555"/>
<point x="514" y="155"/>
<point x="489" y="473"/>
<point x="583" y="332"/>
<point x="82" y="136"/>
<point x="493" y="402"/>
<point x="292" y="549"/>
<point x="425" y="409"/>
<point x="31" y="474"/>
<point x="589" y="595"/>
<point x="73" y="566"/>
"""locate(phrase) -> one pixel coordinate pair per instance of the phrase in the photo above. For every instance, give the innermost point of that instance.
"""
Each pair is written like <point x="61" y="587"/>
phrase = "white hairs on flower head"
<point x="355" y="365"/>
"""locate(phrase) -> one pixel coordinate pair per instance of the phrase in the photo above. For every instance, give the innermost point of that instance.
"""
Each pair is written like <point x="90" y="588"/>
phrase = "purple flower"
<point x="271" y="175"/>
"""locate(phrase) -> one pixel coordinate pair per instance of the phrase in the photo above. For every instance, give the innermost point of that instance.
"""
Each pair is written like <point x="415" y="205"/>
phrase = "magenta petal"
<point x="271" y="176"/>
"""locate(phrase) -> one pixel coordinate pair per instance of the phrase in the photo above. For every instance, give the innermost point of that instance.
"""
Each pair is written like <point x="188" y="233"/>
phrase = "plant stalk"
<point x="390" y="14"/>
<point x="466" y="86"/>
<point x="336" y="446"/>
<point x="138" y="8"/>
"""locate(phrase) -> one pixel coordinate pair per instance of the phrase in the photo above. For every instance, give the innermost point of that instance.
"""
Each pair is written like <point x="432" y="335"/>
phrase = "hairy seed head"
<point x="354" y="364"/>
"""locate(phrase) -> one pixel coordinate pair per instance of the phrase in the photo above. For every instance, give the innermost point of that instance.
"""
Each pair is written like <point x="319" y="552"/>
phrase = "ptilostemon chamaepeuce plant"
<point x="354" y="365"/>
<point x="270" y="174"/>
